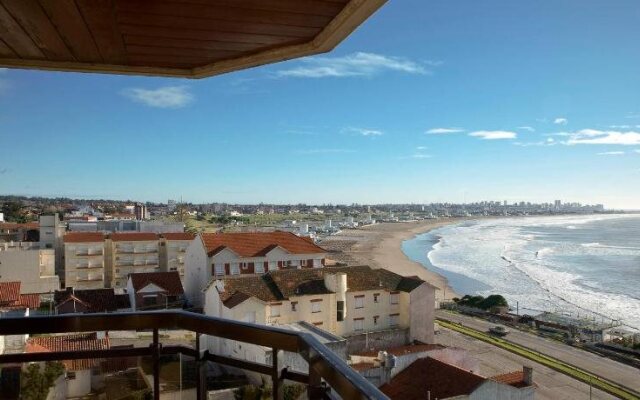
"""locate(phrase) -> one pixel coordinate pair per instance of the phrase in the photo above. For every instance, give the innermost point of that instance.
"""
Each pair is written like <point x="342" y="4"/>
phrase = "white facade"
<point x="85" y="265"/>
<point x="174" y="255"/>
<point x="30" y="265"/>
<point x="127" y="257"/>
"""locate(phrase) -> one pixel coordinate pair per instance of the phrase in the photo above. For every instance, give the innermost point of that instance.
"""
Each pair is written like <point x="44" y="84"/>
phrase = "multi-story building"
<point x="248" y="253"/>
<point x="131" y="252"/>
<point x="26" y="262"/>
<point x="84" y="260"/>
<point x="51" y="237"/>
<point x="173" y="250"/>
<point x="344" y="301"/>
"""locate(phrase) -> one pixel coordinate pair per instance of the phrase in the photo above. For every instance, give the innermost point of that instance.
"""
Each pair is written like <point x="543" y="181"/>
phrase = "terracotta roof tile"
<point x="169" y="281"/>
<point x="11" y="226"/>
<point x="9" y="292"/>
<point x="96" y="300"/>
<point x="84" y="237"/>
<point x="133" y="236"/>
<point x="255" y="244"/>
<point x="179" y="236"/>
<point x="77" y="342"/>
<point x="515" y="379"/>
<point x="430" y="377"/>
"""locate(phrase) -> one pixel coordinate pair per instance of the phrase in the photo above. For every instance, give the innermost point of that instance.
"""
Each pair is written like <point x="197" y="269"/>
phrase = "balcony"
<point x="328" y="377"/>
<point x="90" y="278"/>
<point x="88" y="253"/>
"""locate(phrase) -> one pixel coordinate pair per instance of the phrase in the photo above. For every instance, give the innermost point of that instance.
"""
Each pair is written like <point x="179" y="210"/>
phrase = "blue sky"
<point x="427" y="101"/>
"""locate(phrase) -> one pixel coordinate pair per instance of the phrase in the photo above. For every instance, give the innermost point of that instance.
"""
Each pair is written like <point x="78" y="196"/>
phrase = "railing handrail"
<point x="323" y="363"/>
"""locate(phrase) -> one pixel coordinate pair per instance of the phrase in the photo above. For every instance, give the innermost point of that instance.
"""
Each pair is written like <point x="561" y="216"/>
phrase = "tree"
<point x="12" y="211"/>
<point x="35" y="382"/>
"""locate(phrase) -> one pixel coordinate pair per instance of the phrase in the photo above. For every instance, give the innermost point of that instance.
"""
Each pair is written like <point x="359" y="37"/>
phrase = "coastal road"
<point x="602" y="366"/>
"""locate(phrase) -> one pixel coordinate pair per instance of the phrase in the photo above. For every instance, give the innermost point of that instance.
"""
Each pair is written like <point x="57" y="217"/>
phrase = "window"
<point x="376" y="297"/>
<point x="303" y="263"/>
<point x="219" y="269"/>
<point x="340" y="313"/>
<point x="393" y="298"/>
<point x="375" y="319"/>
<point x="316" y="306"/>
<point x="317" y="264"/>
<point x="275" y="310"/>
<point x="71" y="375"/>
<point x="150" y="300"/>
<point x="294" y="306"/>
<point x="244" y="265"/>
<point x="273" y="265"/>
<point x="249" y="317"/>
<point x="359" y="302"/>
<point x="393" y="319"/>
<point x="234" y="269"/>
<point x="259" y="268"/>
<point x="358" y="324"/>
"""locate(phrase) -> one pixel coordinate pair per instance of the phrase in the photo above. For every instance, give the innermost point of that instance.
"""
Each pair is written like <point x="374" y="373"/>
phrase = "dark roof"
<point x="95" y="300"/>
<point x="83" y="237"/>
<point x="428" y="376"/>
<point x="169" y="281"/>
<point x="283" y="284"/>
<point x="256" y="244"/>
<point x="403" y="350"/>
<point x="133" y="236"/>
<point x="515" y="379"/>
<point x="179" y="236"/>
<point x="77" y="342"/>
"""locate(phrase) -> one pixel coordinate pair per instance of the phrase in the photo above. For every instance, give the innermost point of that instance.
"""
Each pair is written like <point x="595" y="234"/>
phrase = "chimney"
<point x="527" y="375"/>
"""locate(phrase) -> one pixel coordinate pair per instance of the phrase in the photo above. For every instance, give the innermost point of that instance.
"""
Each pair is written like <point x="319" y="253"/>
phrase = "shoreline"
<point x="380" y="246"/>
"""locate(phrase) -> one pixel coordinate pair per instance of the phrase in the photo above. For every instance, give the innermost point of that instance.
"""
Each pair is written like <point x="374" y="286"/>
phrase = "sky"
<point x="428" y="101"/>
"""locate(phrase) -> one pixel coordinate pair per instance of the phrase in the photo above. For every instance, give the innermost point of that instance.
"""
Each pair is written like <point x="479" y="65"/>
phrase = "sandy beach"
<point x="380" y="247"/>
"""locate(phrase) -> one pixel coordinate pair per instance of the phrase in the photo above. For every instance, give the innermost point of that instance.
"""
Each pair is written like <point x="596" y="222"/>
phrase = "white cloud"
<point x="548" y="142"/>
<point x="494" y="135"/>
<point x="443" y="131"/>
<point x="324" y="151"/>
<point x="164" y="97"/>
<point x="620" y="126"/>
<point x="594" y="136"/>
<point x="560" y="121"/>
<point x="611" y="153"/>
<point x="356" y="64"/>
<point x="365" y="131"/>
<point x="421" y="148"/>
<point x="526" y="128"/>
<point x="417" y="156"/>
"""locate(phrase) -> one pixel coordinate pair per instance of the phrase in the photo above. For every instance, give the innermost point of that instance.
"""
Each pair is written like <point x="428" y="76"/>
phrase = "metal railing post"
<point x="276" y="387"/>
<point x="314" y="388"/>
<point x="156" y="365"/>
<point x="201" y="379"/>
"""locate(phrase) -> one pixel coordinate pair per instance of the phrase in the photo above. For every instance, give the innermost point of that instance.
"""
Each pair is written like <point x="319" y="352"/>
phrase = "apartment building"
<point x="343" y="301"/>
<point x="30" y="264"/>
<point x="173" y="250"/>
<point x="247" y="253"/>
<point x="84" y="260"/>
<point x="131" y="253"/>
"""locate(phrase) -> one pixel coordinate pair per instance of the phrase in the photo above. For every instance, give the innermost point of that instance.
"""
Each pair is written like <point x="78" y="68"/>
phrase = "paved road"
<point x="602" y="366"/>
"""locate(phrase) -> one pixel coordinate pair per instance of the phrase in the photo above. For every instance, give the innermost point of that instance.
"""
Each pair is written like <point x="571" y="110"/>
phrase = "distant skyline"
<point x="444" y="101"/>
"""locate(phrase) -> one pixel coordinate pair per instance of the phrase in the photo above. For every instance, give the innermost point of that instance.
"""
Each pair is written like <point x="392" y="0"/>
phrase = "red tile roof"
<point x="402" y="350"/>
<point x="77" y="342"/>
<point x="169" y="281"/>
<point x="256" y="244"/>
<point x="133" y="236"/>
<point x="84" y="237"/>
<point x="10" y="226"/>
<point x="515" y="379"/>
<point x="429" y="377"/>
<point x="11" y="299"/>
<point x="179" y="236"/>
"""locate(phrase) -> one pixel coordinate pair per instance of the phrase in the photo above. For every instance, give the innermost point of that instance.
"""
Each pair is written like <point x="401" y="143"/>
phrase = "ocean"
<point x="582" y="266"/>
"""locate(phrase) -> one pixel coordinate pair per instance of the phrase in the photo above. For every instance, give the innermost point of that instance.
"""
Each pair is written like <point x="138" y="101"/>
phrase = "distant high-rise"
<point x="140" y="211"/>
<point x="557" y="204"/>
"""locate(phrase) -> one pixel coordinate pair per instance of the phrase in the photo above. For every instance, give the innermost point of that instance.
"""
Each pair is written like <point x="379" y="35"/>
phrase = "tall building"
<point x="84" y="260"/>
<point x="128" y="253"/>
<point x="140" y="211"/>
<point x="173" y="250"/>
<point x="51" y="237"/>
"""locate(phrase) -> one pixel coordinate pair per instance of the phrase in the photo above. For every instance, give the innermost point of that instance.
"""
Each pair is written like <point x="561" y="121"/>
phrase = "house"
<point x="78" y="380"/>
<point x="155" y="290"/>
<point x="344" y="301"/>
<point x="84" y="260"/>
<point x="90" y="301"/>
<point x="173" y="249"/>
<point x="12" y="299"/>
<point x="28" y="263"/>
<point x="245" y="253"/>
<point x="129" y="253"/>
<point x="430" y="378"/>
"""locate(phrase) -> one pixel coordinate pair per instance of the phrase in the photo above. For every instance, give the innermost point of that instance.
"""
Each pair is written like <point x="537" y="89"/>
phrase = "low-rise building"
<point x="247" y="253"/>
<point x="173" y="250"/>
<point x="28" y="263"/>
<point x="155" y="290"/>
<point x="129" y="253"/>
<point x="90" y="301"/>
<point x="344" y="301"/>
<point x="84" y="260"/>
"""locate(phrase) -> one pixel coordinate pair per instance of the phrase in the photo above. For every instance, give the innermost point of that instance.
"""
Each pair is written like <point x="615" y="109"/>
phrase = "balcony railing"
<point x="327" y="375"/>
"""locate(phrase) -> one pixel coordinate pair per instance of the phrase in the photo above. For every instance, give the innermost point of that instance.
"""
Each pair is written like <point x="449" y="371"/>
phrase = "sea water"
<point x="582" y="266"/>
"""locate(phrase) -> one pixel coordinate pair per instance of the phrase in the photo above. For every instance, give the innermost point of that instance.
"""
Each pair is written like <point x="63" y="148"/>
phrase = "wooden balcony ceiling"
<point x="185" y="38"/>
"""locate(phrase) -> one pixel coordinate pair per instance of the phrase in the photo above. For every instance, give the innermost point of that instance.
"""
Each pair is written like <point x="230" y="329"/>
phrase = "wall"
<point x="81" y="385"/>
<point x="195" y="279"/>
<point x="373" y="341"/>
<point x="149" y="259"/>
<point x="72" y="261"/>
<point x="422" y="313"/>
<point x="25" y="266"/>
<point x="491" y="390"/>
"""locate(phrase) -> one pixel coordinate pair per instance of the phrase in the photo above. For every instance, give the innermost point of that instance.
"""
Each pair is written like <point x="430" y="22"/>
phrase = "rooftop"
<point x="11" y="299"/>
<point x="84" y="237"/>
<point x="256" y="244"/>
<point x="178" y="236"/>
<point x="133" y="236"/>
<point x="95" y="300"/>
<point x="169" y="281"/>
<point x="77" y="342"/>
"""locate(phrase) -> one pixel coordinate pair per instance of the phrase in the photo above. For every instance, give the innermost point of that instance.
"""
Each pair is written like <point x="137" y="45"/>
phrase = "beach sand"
<point x="379" y="246"/>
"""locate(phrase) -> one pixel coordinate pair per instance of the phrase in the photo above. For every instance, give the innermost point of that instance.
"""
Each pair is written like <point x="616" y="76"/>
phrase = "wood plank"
<point x="38" y="26"/>
<point x="216" y="25"/>
<point x="5" y="51"/>
<point x="16" y="38"/>
<point x="258" y="40"/>
<point x="164" y="62"/>
<point x="187" y="43"/>
<point x="313" y="7"/>
<point x="222" y="13"/>
<point x="99" y="16"/>
<point x="181" y="52"/>
<point x="66" y="17"/>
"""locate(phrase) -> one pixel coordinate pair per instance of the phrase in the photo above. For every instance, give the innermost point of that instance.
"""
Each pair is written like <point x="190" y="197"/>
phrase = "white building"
<point x="131" y="252"/>
<point x="220" y="254"/>
<point x="27" y="263"/>
<point x="173" y="250"/>
<point x="84" y="260"/>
